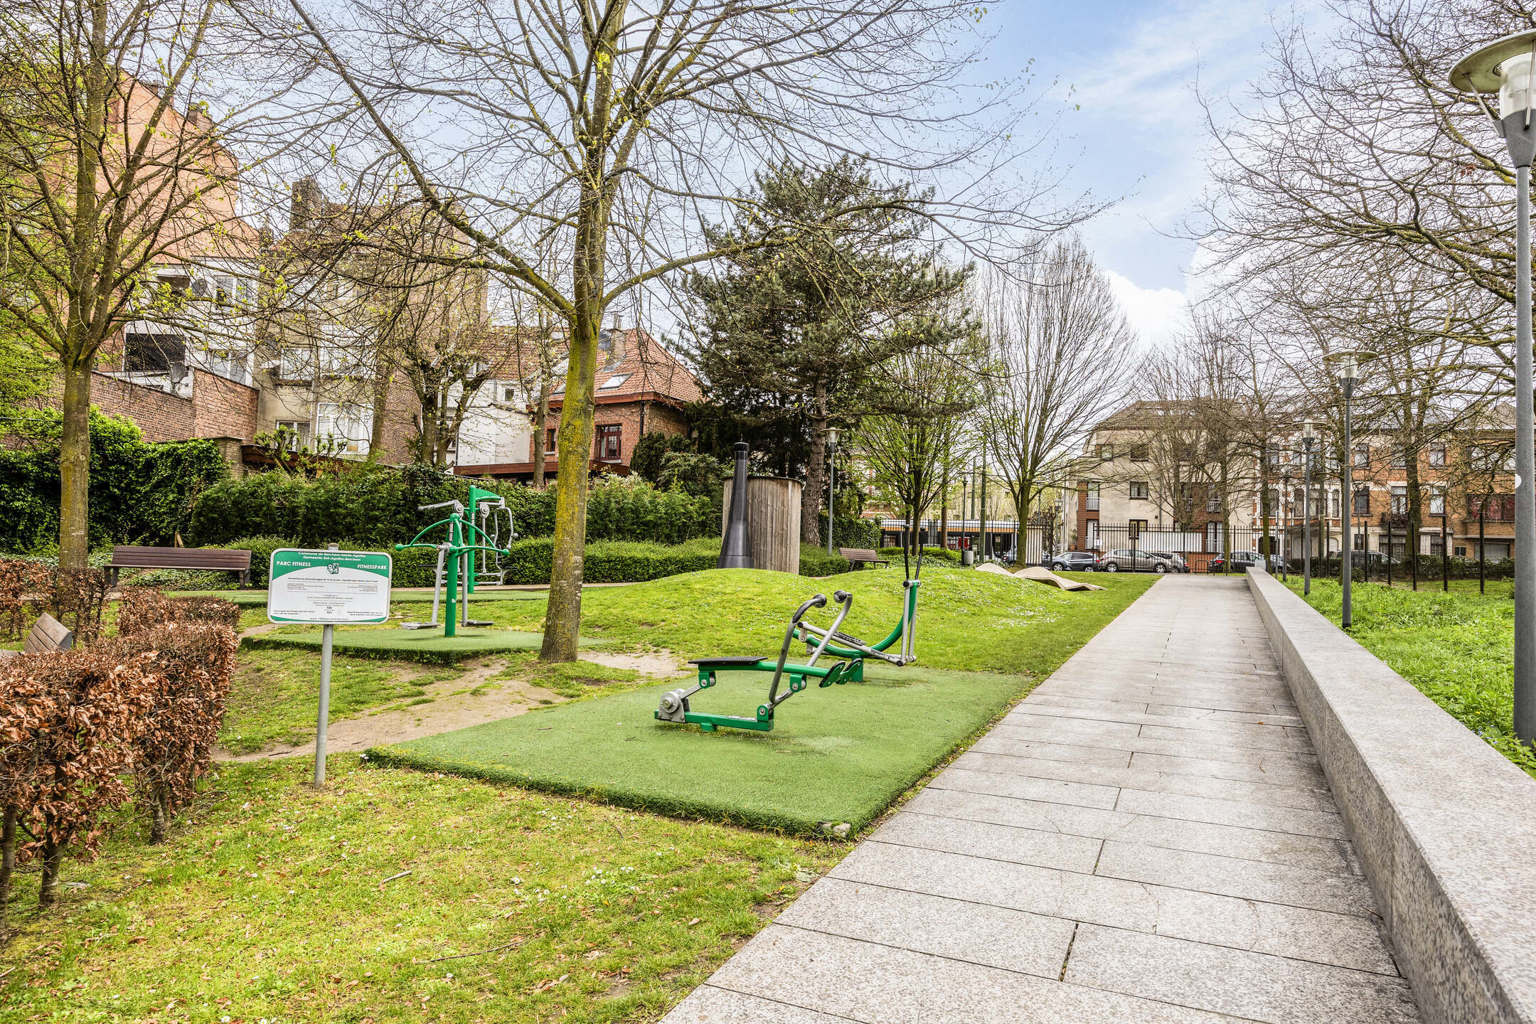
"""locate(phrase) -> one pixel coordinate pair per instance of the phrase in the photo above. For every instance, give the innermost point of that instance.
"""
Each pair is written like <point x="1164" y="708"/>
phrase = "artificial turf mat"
<point x="840" y="754"/>
<point x="421" y="645"/>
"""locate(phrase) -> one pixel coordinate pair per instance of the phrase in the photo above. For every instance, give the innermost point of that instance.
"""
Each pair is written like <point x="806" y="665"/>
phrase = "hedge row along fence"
<point x="376" y="508"/>
<point x="140" y="493"/>
<point x="76" y="597"/>
<point x="90" y="729"/>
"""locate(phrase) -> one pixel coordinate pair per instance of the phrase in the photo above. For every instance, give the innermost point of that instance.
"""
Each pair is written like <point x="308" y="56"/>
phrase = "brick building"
<point x="641" y="388"/>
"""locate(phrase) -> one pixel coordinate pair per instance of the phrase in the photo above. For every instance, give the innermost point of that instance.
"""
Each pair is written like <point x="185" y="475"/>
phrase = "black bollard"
<point x="736" y="549"/>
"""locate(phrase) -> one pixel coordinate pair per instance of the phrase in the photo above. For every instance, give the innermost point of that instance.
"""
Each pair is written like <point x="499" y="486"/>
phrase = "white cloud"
<point x="1156" y="314"/>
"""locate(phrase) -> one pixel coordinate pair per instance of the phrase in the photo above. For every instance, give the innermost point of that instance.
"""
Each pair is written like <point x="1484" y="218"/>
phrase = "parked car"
<point x="1242" y="561"/>
<point x="1175" y="560"/>
<point x="1072" y="561"/>
<point x="1133" y="560"/>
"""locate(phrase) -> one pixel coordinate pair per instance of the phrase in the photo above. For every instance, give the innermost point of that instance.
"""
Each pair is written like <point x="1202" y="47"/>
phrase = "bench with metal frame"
<point x="128" y="556"/>
<point x="863" y="556"/>
<point x="47" y="636"/>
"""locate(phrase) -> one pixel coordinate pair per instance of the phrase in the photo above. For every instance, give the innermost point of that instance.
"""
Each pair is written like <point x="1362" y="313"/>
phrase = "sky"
<point x="1123" y="78"/>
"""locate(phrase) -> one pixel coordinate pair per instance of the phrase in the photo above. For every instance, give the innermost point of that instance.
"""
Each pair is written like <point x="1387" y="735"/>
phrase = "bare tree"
<point x="1061" y="360"/>
<point x="612" y="131"/>
<point x="114" y="153"/>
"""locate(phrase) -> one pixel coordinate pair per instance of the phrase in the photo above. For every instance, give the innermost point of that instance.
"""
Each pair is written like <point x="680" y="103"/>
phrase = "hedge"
<point x="376" y="507"/>
<point x="140" y="493"/>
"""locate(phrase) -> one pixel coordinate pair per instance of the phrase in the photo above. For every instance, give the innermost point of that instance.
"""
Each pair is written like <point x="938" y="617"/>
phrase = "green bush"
<point x="852" y="532"/>
<point x="943" y="554"/>
<point x="376" y="507"/>
<point x="612" y="561"/>
<point x="140" y="493"/>
<point x="816" y="562"/>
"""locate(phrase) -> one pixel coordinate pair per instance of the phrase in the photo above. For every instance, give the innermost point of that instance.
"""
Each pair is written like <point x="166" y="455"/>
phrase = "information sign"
<point x="321" y="587"/>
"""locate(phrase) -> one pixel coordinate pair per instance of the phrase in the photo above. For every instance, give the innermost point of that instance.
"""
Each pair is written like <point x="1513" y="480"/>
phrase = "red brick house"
<point x="641" y="389"/>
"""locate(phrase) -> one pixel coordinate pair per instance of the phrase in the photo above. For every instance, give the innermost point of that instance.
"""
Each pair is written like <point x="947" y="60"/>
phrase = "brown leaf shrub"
<point x="69" y="727"/>
<point x="21" y="584"/>
<point x="190" y="664"/>
<point x="76" y="598"/>
<point x="143" y="609"/>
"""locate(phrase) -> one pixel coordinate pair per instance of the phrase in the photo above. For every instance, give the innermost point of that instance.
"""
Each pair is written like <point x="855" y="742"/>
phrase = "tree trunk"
<point x="944" y="511"/>
<point x="48" y="883"/>
<point x="427" y="444"/>
<point x="815" y="471"/>
<point x="7" y="860"/>
<point x="1415" y="507"/>
<point x="380" y="407"/>
<point x="157" y="816"/>
<point x="75" y="467"/>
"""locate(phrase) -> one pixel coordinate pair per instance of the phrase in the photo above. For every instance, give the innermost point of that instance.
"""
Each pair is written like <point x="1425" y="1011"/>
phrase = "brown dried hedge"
<point x="142" y="609"/>
<point x="76" y="597"/>
<point x="77" y="727"/>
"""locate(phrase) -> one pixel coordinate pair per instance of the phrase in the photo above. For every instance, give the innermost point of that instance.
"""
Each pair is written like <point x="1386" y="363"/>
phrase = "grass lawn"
<point x="422" y="645"/>
<point x="836" y="755"/>
<point x="1457" y="648"/>
<point x="273" y="902"/>
<point x="273" y="693"/>
<point x="967" y="620"/>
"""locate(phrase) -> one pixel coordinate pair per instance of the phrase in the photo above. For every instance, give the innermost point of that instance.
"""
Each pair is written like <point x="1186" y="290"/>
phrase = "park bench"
<point x="862" y="556"/>
<point x="126" y="556"/>
<point x="47" y="635"/>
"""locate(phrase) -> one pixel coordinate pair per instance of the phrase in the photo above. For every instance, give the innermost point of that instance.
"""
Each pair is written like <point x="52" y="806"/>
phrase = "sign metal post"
<point x="326" y="588"/>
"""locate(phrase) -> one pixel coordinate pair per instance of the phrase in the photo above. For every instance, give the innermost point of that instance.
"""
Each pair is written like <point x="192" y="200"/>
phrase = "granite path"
<point x="1146" y="839"/>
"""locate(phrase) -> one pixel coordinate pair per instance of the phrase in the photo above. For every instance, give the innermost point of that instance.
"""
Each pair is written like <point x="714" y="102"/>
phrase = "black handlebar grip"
<point x="819" y="601"/>
<point x="840" y="596"/>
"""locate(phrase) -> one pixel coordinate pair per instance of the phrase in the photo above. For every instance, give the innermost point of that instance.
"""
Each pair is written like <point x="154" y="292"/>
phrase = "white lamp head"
<point x="832" y="435"/>
<point x="1507" y="67"/>
<point x="1309" y="430"/>
<point x="1348" y="363"/>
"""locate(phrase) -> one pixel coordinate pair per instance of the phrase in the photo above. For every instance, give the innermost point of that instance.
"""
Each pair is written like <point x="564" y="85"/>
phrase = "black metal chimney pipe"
<point x="736" y="549"/>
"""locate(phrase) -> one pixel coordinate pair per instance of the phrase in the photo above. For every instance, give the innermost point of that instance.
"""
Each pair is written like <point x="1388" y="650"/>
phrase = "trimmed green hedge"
<point x="816" y="562"/>
<point x="943" y="554"/>
<point x="376" y="507"/>
<point x="140" y="493"/>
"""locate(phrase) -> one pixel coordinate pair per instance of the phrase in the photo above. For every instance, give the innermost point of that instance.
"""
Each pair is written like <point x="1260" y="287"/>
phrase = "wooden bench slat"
<point x="125" y="557"/>
<point x="862" y="555"/>
<point x="48" y="634"/>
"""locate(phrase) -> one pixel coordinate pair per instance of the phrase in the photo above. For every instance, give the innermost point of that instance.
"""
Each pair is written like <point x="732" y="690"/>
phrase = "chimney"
<point x="304" y="204"/>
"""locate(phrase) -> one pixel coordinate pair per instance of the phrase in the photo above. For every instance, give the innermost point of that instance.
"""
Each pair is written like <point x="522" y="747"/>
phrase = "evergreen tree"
<point x="794" y="336"/>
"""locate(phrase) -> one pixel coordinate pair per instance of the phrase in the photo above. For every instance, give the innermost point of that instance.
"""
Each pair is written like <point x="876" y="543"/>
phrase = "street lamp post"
<point x="1308" y="439"/>
<point x="832" y="436"/>
<point x="1507" y="67"/>
<point x="1347" y="364"/>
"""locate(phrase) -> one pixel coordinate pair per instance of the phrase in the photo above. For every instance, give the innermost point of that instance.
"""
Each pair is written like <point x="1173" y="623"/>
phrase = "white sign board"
<point x="328" y="587"/>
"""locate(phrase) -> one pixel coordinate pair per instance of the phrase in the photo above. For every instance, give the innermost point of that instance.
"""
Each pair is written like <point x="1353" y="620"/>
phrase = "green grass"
<point x="567" y="678"/>
<point x="428" y="646"/>
<point x="836" y="755"/>
<point x="1456" y="648"/>
<point x="273" y="693"/>
<point x="965" y="619"/>
<point x="273" y="902"/>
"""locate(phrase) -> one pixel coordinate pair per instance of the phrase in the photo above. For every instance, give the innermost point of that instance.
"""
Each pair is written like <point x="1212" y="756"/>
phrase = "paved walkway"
<point x="1146" y="839"/>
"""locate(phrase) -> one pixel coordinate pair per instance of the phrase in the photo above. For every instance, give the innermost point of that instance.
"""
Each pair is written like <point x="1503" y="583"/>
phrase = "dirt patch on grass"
<point x="465" y="700"/>
<point x="657" y="665"/>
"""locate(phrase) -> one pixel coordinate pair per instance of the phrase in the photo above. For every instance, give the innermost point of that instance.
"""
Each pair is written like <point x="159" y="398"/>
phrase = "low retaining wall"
<point x="1444" y="826"/>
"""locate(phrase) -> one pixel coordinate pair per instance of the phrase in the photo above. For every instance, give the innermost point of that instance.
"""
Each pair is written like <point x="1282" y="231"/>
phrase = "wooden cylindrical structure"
<point x="773" y="512"/>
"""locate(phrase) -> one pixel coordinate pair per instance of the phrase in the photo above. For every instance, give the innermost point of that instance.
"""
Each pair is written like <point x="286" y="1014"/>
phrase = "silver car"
<point x="1133" y="560"/>
<point x="1175" y="560"/>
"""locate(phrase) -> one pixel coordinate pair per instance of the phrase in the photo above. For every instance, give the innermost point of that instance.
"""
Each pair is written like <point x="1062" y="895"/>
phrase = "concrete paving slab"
<point x="1147" y="838"/>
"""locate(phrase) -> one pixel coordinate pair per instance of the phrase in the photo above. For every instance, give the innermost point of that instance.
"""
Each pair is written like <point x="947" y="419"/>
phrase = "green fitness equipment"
<point x="842" y="645"/>
<point x="675" y="705"/>
<point x="455" y="566"/>
<point x="493" y="519"/>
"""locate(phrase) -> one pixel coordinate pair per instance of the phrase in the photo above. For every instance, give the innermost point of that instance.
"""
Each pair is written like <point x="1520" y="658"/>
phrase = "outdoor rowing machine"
<point x="675" y="707"/>
<point x="842" y="645"/>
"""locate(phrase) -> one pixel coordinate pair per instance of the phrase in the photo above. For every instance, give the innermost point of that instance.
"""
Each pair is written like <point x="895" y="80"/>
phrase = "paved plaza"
<point x="1146" y="839"/>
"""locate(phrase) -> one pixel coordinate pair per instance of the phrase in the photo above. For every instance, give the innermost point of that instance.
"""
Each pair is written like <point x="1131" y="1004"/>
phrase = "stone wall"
<point x="1444" y="825"/>
<point x="217" y="407"/>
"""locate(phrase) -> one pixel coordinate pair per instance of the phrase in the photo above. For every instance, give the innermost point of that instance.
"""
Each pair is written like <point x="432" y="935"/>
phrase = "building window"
<point x="1399" y="460"/>
<point x="1460" y="551"/>
<point x="1212" y="504"/>
<point x="297" y="432"/>
<point x="1362" y="502"/>
<point x="1437" y="455"/>
<point x="1092" y="540"/>
<point x="1106" y="451"/>
<point x="1437" y="502"/>
<point x="158" y="354"/>
<point x="1213" y="536"/>
<point x="349" y="424"/>
<point x="295" y="363"/>
<point x="1399" y="500"/>
<point x="608" y="435"/>
<point x="549" y="440"/>
<point x="1362" y="456"/>
<point x="1091" y="500"/>
<point x="1139" y="490"/>
<point x="1137" y="528"/>
<point x="1333" y="504"/>
<point x="1500" y="508"/>
<point x="1141" y="453"/>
